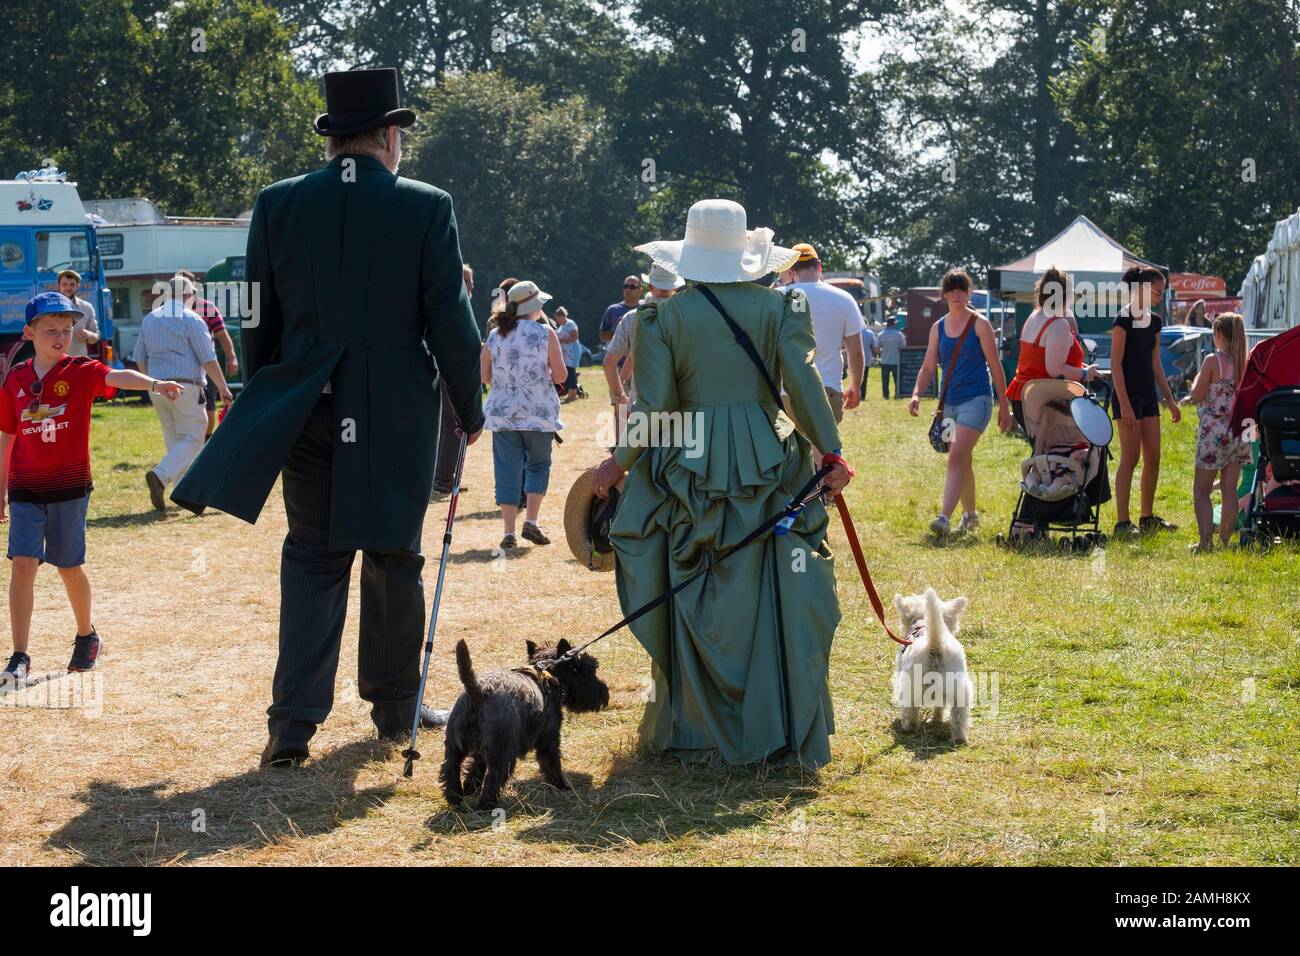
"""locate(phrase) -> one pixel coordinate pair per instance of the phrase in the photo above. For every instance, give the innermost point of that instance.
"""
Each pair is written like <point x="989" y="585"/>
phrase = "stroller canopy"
<point x="1035" y="398"/>
<point x="1274" y="363"/>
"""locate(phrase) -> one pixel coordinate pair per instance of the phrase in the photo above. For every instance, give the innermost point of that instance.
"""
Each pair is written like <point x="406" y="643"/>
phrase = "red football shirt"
<point x="50" y="459"/>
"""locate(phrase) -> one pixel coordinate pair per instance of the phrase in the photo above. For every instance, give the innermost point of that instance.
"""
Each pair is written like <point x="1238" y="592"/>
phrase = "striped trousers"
<point x="314" y="602"/>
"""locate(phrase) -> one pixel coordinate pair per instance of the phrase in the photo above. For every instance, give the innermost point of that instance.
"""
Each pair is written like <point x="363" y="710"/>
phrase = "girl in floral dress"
<point x="1219" y="453"/>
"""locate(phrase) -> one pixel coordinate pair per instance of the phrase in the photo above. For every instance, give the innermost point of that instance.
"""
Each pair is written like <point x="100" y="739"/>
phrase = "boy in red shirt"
<point x="45" y="407"/>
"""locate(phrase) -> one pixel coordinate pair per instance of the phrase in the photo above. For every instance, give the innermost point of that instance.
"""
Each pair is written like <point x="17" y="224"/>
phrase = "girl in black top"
<point x="1137" y="372"/>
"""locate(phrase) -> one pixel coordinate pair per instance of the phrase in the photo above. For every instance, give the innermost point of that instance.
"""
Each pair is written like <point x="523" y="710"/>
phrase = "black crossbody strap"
<point x="745" y="343"/>
<point x="806" y="494"/>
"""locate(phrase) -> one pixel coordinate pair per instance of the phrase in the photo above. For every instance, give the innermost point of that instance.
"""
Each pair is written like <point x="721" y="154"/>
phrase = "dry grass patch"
<point x="1146" y="710"/>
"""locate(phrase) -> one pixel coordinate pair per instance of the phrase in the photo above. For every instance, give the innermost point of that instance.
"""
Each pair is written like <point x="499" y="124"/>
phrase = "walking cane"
<point x="411" y="754"/>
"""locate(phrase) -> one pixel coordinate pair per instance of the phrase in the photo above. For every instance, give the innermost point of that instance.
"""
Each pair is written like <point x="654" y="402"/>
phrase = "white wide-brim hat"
<point x="527" y="297"/>
<point x="661" y="278"/>
<point x="719" y="248"/>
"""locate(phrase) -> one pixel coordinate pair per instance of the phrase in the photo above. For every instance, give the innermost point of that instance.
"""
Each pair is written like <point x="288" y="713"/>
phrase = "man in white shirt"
<point x="85" y="331"/>
<point x="837" y="324"/>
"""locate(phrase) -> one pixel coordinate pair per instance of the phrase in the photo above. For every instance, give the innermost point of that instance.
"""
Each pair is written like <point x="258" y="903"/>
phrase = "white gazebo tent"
<point x="1266" y="302"/>
<point x="1082" y="249"/>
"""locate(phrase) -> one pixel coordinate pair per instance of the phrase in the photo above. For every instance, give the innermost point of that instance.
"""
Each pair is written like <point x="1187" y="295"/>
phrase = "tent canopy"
<point x="1082" y="249"/>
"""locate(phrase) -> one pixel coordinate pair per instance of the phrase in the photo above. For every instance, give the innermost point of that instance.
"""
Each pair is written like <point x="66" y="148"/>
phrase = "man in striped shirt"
<point x="175" y="344"/>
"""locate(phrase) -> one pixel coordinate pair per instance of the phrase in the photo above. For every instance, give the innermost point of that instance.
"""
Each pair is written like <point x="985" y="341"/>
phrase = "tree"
<point x="748" y="100"/>
<point x="194" y="105"/>
<point x="1193" y="109"/>
<point x="982" y="166"/>
<point x="537" y="192"/>
<point x="567" y="45"/>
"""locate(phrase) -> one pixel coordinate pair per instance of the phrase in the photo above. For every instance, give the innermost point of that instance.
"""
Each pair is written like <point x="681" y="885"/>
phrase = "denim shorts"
<point x="53" y="532"/>
<point x="974" y="413"/>
<point x="522" y="463"/>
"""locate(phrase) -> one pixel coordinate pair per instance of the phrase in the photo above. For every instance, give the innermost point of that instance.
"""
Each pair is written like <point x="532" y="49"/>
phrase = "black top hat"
<point x="358" y="100"/>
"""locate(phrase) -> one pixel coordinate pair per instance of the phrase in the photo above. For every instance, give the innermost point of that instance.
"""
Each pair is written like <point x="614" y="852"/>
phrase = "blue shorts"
<point x="522" y="463"/>
<point x="974" y="413"/>
<point x="53" y="532"/>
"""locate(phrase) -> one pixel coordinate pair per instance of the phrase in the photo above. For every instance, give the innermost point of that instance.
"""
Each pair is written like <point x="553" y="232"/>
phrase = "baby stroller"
<point x="1065" y="481"/>
<point x="1269" y="397"/>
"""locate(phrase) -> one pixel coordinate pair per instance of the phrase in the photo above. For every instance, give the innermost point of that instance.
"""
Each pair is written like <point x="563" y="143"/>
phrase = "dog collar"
<point x="540" y="674"/>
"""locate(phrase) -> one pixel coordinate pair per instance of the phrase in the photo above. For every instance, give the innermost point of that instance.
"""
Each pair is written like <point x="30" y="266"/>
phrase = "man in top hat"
<point x="353" y="272"/>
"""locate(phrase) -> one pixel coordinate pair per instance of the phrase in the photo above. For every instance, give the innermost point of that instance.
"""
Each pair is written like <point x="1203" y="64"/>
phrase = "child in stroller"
<point x="1065" y="481"/>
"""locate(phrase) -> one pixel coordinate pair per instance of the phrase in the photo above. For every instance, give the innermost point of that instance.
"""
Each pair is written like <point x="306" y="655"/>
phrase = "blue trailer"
<point x="44" y="229"/>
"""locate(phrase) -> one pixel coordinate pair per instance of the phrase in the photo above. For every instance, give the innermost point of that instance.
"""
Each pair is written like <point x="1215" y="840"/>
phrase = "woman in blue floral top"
<point x="523" y="363"/>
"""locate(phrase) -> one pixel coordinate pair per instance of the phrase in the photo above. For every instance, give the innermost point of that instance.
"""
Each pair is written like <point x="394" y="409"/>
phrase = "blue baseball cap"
<point x="50" y="303"/>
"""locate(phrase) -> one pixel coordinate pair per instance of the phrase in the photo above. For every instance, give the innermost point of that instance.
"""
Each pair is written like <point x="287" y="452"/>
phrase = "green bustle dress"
<point x="716" y="656"/>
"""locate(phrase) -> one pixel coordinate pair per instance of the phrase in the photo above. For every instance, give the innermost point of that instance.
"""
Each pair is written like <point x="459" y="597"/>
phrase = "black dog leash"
<point x="806" y="494"/>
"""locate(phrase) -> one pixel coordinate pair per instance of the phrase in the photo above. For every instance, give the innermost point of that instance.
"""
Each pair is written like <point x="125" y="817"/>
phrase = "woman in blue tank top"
<point x="971" y="385"/>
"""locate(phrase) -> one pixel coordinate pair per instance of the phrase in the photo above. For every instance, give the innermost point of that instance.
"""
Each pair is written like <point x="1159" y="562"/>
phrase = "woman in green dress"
<point x="740" y="657"/>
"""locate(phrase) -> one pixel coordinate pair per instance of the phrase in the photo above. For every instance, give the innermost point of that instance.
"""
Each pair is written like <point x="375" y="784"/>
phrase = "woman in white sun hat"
<point x="740" y="657"/>
<point x="523" y="363"/>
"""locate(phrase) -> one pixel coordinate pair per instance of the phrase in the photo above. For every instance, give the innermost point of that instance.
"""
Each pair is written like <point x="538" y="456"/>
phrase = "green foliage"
<point x="749" y="101"/>
<point x="1177" y="98"/>
<point x="979" y="165"/>
<point x="118" y="95"/>
<point x="974" y="133"/>
<point x="537" y="192"/>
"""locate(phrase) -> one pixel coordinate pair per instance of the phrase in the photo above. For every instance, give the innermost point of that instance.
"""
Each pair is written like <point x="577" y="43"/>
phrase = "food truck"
<point x="44" y="229"/>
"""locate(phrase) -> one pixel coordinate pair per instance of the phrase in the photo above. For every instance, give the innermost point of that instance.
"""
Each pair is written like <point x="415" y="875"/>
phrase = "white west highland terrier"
<point x="931" y="671"/>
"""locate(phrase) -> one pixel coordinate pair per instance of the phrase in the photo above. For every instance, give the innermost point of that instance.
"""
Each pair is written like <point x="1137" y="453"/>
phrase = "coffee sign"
<point x="1190" y="285"/>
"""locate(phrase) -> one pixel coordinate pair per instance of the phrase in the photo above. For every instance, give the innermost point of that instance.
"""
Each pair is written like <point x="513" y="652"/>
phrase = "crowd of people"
<point x="726" y="325"/>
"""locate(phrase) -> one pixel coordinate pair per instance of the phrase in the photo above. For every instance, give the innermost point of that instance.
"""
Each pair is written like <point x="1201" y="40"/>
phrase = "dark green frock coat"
<point x="356" y="270"/>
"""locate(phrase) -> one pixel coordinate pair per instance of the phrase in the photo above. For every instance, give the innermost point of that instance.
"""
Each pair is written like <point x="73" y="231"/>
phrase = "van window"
<point x="55" y="250"/>
<point x="121" y="302"/>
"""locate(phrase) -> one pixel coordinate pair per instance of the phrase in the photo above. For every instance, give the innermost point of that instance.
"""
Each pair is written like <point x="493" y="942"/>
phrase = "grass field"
<point x="1147" y="702"/>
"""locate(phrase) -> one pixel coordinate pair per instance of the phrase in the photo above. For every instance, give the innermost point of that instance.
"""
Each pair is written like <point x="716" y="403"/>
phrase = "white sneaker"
<point x="940" y="525"/>
<point x="970" y="521"/>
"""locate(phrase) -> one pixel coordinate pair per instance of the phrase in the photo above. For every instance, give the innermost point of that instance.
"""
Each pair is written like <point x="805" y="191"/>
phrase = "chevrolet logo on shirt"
<point x="43" y="412"/>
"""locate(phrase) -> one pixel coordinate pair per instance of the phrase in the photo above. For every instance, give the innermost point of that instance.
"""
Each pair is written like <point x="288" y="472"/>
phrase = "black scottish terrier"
<point x="504" y="714"/>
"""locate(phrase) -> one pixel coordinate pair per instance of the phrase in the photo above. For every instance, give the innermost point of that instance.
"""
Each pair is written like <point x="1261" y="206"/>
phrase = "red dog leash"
<point x="863" y="571"/>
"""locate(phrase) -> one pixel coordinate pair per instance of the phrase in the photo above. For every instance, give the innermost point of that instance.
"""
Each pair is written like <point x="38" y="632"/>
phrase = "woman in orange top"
<point x="1049" y="347"/>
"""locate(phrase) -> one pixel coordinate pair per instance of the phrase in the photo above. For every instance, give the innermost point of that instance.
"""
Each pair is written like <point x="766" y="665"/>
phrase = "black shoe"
<point x="1155" y="523"/>
<point x="156" y="490"/>
<point x="15" y="673"/>
<point x="1125" y="528"/>
<point x="430" y="719"/>
<point x="85" y="650"/>
<point x="283" y="754"/>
